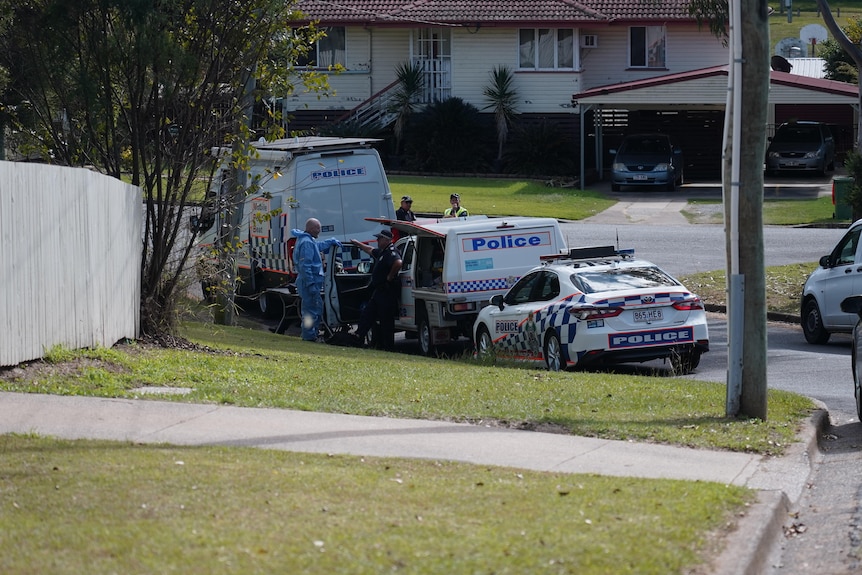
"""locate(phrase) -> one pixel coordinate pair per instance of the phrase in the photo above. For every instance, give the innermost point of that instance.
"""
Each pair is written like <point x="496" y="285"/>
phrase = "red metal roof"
<point x="782" y="78"/>
<point x="491" y="12"/>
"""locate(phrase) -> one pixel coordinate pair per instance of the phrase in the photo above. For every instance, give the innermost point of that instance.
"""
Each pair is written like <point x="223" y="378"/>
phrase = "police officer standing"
<point x="405" y="212"/>
<point x="456" y="210"/>
<point x="385" y="290"/>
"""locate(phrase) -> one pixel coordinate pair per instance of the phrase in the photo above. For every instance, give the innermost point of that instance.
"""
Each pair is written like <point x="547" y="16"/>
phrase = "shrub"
<point x="449" y="136"/>
<point x="540" y="149"/>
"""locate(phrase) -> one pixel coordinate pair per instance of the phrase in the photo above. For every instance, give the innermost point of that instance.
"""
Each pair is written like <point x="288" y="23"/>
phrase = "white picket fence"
<point x="70" y="260"/>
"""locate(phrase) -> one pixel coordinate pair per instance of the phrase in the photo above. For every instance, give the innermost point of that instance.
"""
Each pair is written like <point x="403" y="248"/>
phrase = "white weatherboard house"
<point x="621" y="65"/>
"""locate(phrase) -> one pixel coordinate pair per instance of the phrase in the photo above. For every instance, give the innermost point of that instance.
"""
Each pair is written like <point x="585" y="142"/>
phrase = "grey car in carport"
<point x="647" y="160"/>
<point x="801" y="147"/>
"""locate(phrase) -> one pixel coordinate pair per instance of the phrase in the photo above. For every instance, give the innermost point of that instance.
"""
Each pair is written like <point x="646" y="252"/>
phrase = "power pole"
<point x="743" y="188"/>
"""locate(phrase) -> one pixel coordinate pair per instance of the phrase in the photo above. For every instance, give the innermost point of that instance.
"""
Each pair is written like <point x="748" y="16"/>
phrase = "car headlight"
<point x="662" y="167"/>
<point x="618" y="167"/>
<point x="814" y="155"/>
<point x="773" y="155"/>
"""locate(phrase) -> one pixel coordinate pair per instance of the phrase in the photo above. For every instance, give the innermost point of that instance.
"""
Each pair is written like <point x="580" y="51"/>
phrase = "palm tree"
<point x="405" y="98"/>
<point x="502" y="98"/>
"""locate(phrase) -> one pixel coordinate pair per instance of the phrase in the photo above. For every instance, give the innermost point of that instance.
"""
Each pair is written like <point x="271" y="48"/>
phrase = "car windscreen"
<point x="645" y="145"/>
<point x="619" y="279"/>
<point x="797" y="134"/>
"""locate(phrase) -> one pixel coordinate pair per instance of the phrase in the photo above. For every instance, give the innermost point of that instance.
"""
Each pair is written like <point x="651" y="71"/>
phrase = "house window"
<point x="328" y="51"/>
<point x="546" y="48"/>
<point x="647" y="47"/>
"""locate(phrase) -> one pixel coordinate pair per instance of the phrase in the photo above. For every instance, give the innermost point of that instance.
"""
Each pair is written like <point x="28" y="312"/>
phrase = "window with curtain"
<point x="647" y="47"/>
<point x="328" y="51"/>
<point x="546" y="49"/>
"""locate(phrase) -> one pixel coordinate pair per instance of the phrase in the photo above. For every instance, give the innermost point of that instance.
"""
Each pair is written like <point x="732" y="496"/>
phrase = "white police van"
<point x="339" y="181"/>
<point x="451" y="269"/>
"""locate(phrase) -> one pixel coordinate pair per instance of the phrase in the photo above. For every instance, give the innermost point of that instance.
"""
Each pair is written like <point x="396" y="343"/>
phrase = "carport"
<point x="690" y="107"/>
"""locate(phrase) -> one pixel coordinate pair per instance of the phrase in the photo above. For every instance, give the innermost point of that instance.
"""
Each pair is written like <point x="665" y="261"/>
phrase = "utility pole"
<point x="743" y="190"/>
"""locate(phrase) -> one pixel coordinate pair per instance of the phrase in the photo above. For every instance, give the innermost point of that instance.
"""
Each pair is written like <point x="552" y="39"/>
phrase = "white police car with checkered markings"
<point x="594" y="306"/>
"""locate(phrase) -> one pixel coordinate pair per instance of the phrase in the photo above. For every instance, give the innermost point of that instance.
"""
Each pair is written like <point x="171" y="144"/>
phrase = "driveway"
<point x="660" y="207"/>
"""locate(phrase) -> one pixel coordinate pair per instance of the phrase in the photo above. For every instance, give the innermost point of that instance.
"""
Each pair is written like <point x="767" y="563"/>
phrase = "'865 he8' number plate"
<point x="648" y="315"/>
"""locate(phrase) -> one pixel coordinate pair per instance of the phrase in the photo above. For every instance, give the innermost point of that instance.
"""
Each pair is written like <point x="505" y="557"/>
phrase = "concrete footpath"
<point x="780" y="481"/>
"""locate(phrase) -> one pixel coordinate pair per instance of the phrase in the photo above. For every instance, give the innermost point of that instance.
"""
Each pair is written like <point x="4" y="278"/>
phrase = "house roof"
<point x="490" y="12"/>
<point x="610" y="94"/>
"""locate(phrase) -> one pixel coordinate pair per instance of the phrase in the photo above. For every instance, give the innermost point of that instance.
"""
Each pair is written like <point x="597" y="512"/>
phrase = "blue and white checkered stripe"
<point x="527" y="342"/>
<point x="491" y="284"/>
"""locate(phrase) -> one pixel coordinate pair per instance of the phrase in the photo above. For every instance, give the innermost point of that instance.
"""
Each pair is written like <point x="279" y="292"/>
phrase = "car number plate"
<point x="640" y="177"/>
<point x="648" y="315"/>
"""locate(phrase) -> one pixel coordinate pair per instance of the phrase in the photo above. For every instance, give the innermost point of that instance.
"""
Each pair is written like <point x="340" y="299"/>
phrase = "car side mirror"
<point x="612" y="152"/>
<point x="497" y="300"/>
<point x="852" y="304"/>
<point x="824" y="262"/>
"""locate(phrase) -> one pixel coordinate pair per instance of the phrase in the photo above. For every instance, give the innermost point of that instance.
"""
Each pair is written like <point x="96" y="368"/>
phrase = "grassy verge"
<point x="499" y="197"/>
<point x="263" y="369"/>
<point x="101" y="507"/>
<point x="775" y="212"/>
<point x="783" y="287"/>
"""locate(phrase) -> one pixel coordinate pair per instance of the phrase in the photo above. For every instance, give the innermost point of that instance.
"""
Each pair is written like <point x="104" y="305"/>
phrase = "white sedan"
<point x="594" y="306"/>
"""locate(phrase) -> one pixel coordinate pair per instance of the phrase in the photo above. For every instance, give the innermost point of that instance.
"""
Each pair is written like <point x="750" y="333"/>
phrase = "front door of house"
<point x="432" y="49"/>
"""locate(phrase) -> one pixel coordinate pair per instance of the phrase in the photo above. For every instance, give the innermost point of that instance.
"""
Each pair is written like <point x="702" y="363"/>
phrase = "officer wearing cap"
<point x="456" y="211"/>
<point x="405" y="212"/>
<point x="385" y="290"/>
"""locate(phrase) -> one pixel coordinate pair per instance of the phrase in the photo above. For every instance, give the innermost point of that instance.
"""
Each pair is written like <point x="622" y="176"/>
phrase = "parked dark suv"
<point x="801" y="147"/>
<point x="647" y="160"/>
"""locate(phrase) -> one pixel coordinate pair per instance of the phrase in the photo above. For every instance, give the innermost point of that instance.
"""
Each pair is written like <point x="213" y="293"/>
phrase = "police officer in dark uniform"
<point x="385" y="289"/>
<point x="405" y="212"/>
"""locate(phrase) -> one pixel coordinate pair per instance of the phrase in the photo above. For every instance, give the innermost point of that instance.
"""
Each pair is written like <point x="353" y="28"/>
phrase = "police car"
<point x="594" y="306"/>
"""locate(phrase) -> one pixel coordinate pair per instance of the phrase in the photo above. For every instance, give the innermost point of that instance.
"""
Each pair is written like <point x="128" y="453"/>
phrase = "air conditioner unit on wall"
<point x="589" y="41"/>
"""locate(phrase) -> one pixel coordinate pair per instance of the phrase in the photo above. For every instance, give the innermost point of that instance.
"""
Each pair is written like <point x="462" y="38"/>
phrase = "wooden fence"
<point x="70" y="260"/>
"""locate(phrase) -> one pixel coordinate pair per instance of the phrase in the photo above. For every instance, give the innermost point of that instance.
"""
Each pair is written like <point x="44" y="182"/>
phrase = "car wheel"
<point x="270" y="305"/>
<point x="553" y="352"/>
<point x="485" y="346"/>
<point x="684" y="361"/>
<point x="615" y="187"/>
<point x="424" y="335"/>
<point x="812" y="324"/>
<point x="671" y="185"/>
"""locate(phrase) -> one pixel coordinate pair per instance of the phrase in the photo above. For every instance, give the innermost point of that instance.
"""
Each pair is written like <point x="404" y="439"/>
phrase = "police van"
<point x="339" y="181"/>
<point x="451" y="269"/>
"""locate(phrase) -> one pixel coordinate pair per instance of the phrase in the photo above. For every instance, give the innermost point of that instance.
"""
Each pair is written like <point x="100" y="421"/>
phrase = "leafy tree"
<point x="502" y="98"/>
<point x="144" y="90"/>
<point x="838" y="65"/>
<point x="852" y="49"/>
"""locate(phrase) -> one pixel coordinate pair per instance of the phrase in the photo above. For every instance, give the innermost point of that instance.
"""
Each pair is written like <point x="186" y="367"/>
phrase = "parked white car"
<point x="838" y="276"/>
<point x="595" y="306"/>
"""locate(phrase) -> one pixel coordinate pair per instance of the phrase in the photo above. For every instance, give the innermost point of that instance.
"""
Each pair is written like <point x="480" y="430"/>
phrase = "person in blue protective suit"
<point x="309" y="275"/>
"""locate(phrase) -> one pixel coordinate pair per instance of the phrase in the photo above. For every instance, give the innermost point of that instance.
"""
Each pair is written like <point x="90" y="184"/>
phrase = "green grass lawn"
<point x="103" y="507"/>
<point x="499" y="197"/>
<point x="72" y="507"/>
<point x="775" y="212"/>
